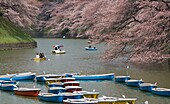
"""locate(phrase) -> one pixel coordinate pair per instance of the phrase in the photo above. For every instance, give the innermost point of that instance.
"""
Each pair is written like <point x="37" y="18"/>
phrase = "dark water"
<point x="78" y="60"/>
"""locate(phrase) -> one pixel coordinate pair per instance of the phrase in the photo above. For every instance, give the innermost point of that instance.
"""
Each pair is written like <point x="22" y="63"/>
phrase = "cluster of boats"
<point x="149" y="87"/>
<point x="66" y="87"/>
<point x="62" y="88"/>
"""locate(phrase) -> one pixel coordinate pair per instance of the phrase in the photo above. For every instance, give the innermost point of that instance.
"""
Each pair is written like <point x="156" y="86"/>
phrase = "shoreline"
<point x="22" y="45"/>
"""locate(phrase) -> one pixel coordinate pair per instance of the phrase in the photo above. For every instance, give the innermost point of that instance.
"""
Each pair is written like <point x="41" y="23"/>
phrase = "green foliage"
<point x="10" y="33"/>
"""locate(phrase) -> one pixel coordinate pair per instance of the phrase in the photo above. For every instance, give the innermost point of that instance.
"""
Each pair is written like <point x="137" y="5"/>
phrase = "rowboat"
<point x="69" y="95"/>
<point x="88" y="94"/>
<point x="135" y="83"/>
<point x="24" y="76"/>
<point x="50" y="97"/>
<point x="18" y="76"/>
<point x="41" y="78"/>
<point x="91" y="48"/>
<point x="109" y="76"/>
<point x="6" y="77"/>
<point x="121" y="79"/>
<point x="81" y="101"/>
<point x="73" y="88"/>
<point x="72" y="83"/>
<point x="56" y="90"/>
<point x="161" y="91"/>
<point x="27" y="91"/>
<point x="115" y="100"/>
<point x="56" y="84"/>
<point x="8" y="82"/>
<point x="67" y="79"/>
<point x="40" y="59"/>
<point x="8" y="87"/>
<point x="147" y="86"/>
<point x="52" y="80"/>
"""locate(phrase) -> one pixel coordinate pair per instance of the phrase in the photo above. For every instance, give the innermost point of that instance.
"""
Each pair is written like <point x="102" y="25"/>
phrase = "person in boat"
<point x="89" y="46"/>
<point x="56" y="48"/>
<point x="37" y="55"/>
<point x="94" y="47"/>
<point x="42" y="55"/>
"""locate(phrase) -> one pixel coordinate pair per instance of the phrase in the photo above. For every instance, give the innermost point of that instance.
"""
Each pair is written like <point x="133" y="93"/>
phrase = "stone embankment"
<point x="9" y="46"/>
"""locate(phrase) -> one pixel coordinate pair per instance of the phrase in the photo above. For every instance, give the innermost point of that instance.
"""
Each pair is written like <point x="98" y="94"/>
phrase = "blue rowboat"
<point x="69" y="95"/>
<point x="81" y="101"/>
<point x="41" y="78"/>
<point x="147" y="86"/>
<point x="8" y="82"/>
<point x="109" y="76"/>
<point x="161" y="91"/>
<point x="19" y="76"/>
<point x="8" y="87"/>
<point x="122" y="79"/>
<point x="56" y="90"/>
<point x="91" y="49"/>
<point x="50" y="97"/>
<point x="135" y="83"/>
<point x="56" y="84"/>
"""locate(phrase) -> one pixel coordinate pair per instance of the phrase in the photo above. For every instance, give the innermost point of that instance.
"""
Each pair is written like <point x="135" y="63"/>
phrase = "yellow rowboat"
<point x="88" y="94"/>
<point x="52" y="80"/>
<point x="40" y="59"/>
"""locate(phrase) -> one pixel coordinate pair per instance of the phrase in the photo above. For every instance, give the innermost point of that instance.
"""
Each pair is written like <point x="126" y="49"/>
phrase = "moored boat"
<point x="8" y="82"/>
<point x="147" y="86"/>
<point x="67" y="79"/>
<point x="88" y="94"/>
<point x="161" y="91"/>
<point x="52" y="80"/>
<point x="27" y="91"/>
<point x="135" y="83"/>
<point x="73" y="88"/>
<point x="8" y="87"/>
<point x="122" y="79"/>
<point x="24" y="76"/>
<point x="42" y="78"/>
<point x="69" y="95"/>
<point x="18" y="76"/>
<point x="109" y="76"/>
<point x="81" y="101"/>
<point x="56" y="90"/>
<point x="50" y="97"/>
<point x="56" y="84"/>
<point x="116" y="100"/>
<point x="72" y="83"/>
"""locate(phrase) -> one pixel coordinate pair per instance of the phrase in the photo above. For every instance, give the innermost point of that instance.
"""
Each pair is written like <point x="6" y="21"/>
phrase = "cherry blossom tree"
<point x="137" y="29"/>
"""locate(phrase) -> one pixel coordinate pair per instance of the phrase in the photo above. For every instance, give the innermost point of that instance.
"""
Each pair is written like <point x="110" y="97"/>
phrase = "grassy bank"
<point x="10" y="33"/>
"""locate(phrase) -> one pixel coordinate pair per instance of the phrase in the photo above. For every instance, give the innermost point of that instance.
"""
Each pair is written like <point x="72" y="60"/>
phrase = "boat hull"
<point x="27" y="93"/>
<point x="161" y="91"/>
<point x="90" y="49"/>
<point x="134" y="83"/>
<point x="9" y="87"/>
<point x="147" y="87"/>
<point x="122" y="79"/>
<point x="40" y="59"/>
<point x="51" y="97"/>
<point x="81" y="101"/>
<point x="56" y="90"/>
<point x="94" y="77"/>
<point x="71" y="96"/>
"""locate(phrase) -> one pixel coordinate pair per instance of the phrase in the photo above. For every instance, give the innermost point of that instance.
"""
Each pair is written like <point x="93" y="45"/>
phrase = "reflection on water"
<point x="77" y="59"/>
